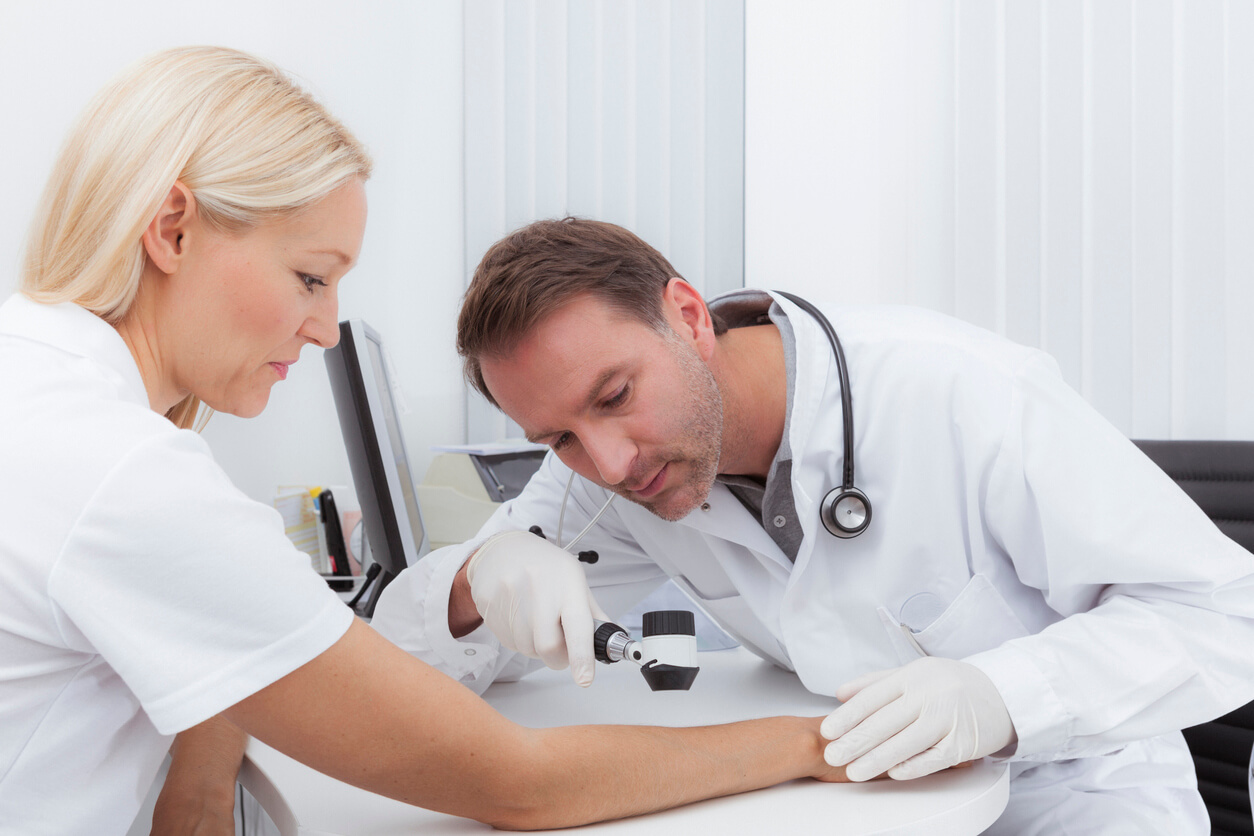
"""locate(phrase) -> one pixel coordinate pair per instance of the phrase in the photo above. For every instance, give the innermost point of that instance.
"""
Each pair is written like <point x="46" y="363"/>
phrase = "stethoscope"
<point x="845" y="510"/>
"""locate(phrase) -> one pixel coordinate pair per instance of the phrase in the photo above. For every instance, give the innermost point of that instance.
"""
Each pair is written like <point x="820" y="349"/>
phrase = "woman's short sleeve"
<point x="186" y="587"/>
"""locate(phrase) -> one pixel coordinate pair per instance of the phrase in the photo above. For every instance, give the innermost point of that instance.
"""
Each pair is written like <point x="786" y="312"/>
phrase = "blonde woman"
<point x="189" y="244"/>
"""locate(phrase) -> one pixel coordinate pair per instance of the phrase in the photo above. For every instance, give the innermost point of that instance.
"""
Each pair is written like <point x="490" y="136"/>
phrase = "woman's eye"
<point x="560" y="442"/>
<point x="311" y="281"/>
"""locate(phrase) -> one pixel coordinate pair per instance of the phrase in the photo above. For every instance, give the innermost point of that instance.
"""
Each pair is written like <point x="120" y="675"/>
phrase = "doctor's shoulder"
<point x="931" y="341"/>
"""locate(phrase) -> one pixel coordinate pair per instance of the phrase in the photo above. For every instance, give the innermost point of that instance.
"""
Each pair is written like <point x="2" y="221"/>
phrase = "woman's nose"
<point x="323" y="326"/>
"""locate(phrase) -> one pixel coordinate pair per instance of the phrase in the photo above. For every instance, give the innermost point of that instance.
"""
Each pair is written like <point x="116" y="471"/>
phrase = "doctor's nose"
<point x="611" y="455"/>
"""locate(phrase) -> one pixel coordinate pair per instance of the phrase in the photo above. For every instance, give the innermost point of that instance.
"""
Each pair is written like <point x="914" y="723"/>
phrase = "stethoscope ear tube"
<point x="561" y="519"/>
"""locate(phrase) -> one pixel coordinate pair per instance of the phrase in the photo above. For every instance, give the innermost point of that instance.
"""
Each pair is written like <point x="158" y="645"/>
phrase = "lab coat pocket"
<point x="900" y="637"/>
<point x="978" y="619"/>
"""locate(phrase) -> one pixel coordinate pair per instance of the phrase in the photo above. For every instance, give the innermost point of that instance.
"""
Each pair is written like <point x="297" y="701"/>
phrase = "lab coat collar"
<point x="818" y="462"/>
<point x="77" y="331"/>
<point x="723" y="516"/>
<point x="816" y="430"/>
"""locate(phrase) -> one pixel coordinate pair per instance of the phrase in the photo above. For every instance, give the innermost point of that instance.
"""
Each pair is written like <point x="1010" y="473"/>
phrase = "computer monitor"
<point x="377" y="457"/>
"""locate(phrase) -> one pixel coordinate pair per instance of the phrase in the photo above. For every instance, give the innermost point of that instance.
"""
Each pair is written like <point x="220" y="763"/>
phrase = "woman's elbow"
<point x="535" y="789"/>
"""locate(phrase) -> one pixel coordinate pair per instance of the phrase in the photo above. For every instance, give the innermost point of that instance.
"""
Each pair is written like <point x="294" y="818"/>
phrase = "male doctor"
<point x="1028" y="585"/>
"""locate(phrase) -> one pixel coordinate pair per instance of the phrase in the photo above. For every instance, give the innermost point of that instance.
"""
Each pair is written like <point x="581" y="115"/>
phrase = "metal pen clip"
<point x="913" y="641"/>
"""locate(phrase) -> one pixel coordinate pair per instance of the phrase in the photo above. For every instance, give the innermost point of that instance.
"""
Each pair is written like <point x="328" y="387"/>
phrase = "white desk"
<point x="732" y="685"/>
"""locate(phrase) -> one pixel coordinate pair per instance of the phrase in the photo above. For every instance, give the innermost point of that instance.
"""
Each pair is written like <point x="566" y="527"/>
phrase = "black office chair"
<point x="1219" y="476"/>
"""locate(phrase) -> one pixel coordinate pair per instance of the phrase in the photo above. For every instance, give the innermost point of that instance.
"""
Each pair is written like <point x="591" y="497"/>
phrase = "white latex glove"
<point x="915" y="720"/>
<point x="534" y="597"/>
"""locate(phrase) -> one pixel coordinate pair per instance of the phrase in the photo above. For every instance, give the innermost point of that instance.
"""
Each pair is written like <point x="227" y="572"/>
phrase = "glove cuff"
<point x="484" y="547"/>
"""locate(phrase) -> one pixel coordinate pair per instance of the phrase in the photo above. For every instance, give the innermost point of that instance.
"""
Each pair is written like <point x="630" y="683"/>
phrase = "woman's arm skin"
<point x="367" y="713"/>
<point x="198" y="796"/>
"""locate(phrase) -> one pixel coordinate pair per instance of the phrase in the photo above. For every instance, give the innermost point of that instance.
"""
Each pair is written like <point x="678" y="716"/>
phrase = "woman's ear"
<point x="688" y="315"/>
<point x="165" y="239"/>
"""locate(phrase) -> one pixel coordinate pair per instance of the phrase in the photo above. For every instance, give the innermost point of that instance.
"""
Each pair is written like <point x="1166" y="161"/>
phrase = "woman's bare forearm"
<point x="589" y="773"/>
<point x="427" y="740"/>
<point x="199" y="790"/>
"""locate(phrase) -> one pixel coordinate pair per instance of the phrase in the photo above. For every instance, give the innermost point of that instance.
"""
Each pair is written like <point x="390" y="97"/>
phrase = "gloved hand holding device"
<point x="911" y="721"/>
<point x="534" y="597"/>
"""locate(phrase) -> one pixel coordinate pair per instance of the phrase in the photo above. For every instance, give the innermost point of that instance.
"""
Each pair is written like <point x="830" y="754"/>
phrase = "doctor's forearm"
<point x="1154" y="672"/>
<point x="463" y="616"/>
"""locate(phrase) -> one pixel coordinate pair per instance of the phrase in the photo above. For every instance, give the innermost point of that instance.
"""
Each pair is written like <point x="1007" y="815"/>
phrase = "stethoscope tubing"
<point x="842" y="370"/>
<point x="561" y="517"/>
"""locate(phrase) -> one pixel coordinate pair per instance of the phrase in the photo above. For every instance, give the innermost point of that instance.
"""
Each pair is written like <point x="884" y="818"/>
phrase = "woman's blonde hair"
<point x="243" y="137"/>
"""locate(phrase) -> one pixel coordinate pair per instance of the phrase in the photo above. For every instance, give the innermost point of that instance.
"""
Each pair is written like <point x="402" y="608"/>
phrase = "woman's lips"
<point x="280" y="369"/>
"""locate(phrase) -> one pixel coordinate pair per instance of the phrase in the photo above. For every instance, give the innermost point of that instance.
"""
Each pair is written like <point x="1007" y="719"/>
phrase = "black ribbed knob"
<point x="601" y="638"/>
<point x="668" y="623"/>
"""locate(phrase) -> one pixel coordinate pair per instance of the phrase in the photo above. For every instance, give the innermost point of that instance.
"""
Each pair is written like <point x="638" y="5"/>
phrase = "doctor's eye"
<point x="618" y="398"/>
<point x="561" y="441"/>
<point x="311" y="281"/>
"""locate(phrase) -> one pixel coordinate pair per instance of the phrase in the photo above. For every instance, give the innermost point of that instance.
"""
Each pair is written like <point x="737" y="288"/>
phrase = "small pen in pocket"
<point x="913" y="641"/>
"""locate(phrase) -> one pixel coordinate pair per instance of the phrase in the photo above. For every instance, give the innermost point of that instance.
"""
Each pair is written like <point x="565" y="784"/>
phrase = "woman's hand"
<point x="181" y="813"/>
<point x="833" y="775"/>
<point x="822" y="770"/>
<point x="198" y="798"/>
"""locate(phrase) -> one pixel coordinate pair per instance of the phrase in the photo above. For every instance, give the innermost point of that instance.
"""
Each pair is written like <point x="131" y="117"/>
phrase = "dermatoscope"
<point x="667" y="651"/>
<point x="667" y="655"/>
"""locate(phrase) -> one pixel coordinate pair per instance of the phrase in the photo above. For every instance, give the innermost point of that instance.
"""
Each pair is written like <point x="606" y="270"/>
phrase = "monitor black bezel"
<point x="360" y="410"/>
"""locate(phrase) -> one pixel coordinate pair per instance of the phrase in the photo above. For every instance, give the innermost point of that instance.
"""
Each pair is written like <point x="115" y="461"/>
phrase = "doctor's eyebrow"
<point x="594" y="394"/>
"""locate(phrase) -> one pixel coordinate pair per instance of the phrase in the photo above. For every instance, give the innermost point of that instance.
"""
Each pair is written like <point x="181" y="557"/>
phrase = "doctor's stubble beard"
<point x="698" y="433"/>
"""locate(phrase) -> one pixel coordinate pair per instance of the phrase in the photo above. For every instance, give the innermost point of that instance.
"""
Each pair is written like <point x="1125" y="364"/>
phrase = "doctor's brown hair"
<point x="538" y="269"/>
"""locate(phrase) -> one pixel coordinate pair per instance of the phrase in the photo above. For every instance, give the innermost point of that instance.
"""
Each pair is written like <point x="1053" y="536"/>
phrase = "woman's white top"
<point x="140" y="592"/>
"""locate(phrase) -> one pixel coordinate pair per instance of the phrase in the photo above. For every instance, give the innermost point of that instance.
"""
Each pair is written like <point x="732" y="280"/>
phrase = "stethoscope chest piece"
<point x="845" y="512"/>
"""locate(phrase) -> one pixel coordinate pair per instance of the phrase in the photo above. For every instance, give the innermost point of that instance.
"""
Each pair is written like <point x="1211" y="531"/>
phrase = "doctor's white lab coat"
<point x="1013" y="528"/>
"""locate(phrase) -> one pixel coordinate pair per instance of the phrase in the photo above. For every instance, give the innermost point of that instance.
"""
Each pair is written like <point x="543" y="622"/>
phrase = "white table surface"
<point x="732" y="685"/>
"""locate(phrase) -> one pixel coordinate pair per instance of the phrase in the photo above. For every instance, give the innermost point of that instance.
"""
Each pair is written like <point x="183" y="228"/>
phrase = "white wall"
<point x="391" y="70"/>
<point x="481" y="116"/>
<point x="627" y="112"/>
<point x="1075" y="174"/>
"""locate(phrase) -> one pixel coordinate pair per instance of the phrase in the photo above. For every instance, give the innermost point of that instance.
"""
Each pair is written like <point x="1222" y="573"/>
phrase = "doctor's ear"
<point x="688" y="315"/>
<point x="165" y="239"/>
